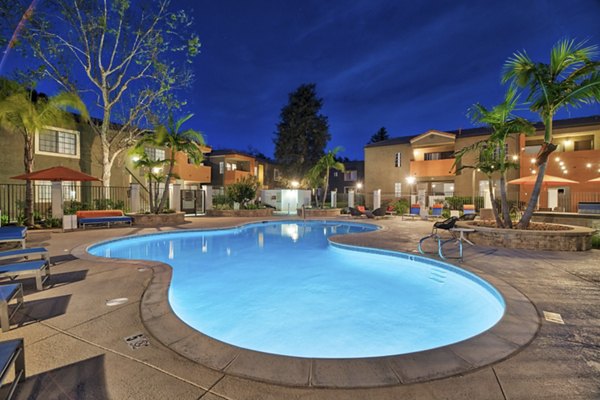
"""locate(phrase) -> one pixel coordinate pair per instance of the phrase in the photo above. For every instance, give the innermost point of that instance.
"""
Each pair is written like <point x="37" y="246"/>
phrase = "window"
<point x="441" y="155"/>
<point x="155" y="154"/>
<point x="276" y="174"/>
<point x="350" y="176"/>
<point x="58" y="142"/>
<point x="43" y="191"/>
<point x="221" y="167"/>
<point x="584" y="145"/>
<point x="398" y="189"/>
<point x="398" y="160"/>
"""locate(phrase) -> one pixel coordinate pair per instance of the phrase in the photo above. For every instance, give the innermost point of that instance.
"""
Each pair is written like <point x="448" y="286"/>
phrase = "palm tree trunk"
<point x="28" y="163"/>
<point x="325" y="187"/>
<point x="150" y="193"/>
<point x="165" y="195"/>
<point x="493" y="199"/>
<point x="504" y="201"/>
<point x="537" y="188"/>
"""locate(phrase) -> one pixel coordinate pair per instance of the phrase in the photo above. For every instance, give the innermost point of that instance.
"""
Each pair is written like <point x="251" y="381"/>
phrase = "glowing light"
<point x="557" y="159"/>
<point x="135" y="158"/>
<point x="589" y="165"/>
<point x="515" y="157"/>
<point x="359" y="185"/>
<point x="565" y="171"/>
<point x="561" y="163"/>
<point x="568" y="142"/>
<point x="533" y="171"/>
<point x="410" y="180"/>
<point x="295" y="184"/>
<point x="156" y="170"/>
<point x="533" y="160"/>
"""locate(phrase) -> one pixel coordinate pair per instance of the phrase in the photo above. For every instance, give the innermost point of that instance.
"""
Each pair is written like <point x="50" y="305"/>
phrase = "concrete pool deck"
<point x="75" y="344"/>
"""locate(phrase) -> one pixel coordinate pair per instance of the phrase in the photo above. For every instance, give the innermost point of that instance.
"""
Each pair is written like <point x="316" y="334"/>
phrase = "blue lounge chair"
<point x="13" y="234"/>
<point x="12" y="353"/>
<point x="26" y="253"/>
<point x="39" y="269"/>
<point x="415" y="211"/>
<point x="436" y="211"/>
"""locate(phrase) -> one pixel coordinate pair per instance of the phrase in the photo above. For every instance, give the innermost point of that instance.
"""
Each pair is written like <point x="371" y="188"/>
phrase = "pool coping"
<point x="517" y="328"/>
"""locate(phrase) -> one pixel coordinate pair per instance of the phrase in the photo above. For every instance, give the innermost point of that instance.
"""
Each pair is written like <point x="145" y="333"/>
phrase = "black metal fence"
<point x="77" y="196"/>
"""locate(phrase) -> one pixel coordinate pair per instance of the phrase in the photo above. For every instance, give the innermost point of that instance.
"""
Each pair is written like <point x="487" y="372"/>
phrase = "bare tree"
<point x="126" y="60"/>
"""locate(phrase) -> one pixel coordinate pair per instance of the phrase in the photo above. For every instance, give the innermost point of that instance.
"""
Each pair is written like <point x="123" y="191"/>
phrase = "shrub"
<point x="457" y="202"/>
<point x="71" y="207"/>
<point x="243" y="191"/>
<point x="596" y="242"/>
<point x="401" y="206"/>
<point x="52" y="223"/>
<point x="220" y="200"/>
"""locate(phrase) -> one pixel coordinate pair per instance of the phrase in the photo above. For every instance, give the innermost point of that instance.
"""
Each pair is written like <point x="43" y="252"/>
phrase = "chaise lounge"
<point x="13" y="234"/>
<point x="415" y="211"/>
<point x="100" y="217"/>
<point x="39" y="269"/>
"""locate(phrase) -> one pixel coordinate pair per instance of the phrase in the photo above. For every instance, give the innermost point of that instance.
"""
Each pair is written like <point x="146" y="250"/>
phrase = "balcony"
<point x="432" y="168"/>
<point x="193" y="173"/>
<point x="234" y="176"/>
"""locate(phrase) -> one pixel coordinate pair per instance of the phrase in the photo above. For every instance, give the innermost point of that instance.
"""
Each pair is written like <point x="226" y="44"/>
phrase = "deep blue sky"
<point x="408" y="66"/>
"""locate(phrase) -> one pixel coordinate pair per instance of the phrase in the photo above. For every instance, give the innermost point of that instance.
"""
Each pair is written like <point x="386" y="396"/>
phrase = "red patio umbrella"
<point x="549" y="180"/>
<point x="56" y="174"/>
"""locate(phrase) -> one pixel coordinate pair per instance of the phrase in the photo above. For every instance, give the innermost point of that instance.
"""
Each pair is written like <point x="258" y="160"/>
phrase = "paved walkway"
<point x="75" y="344"/>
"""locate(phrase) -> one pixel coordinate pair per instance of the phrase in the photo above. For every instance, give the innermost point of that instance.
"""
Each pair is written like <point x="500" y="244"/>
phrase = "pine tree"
<point x="302" y="132"/>
<point x="380" y="135"/>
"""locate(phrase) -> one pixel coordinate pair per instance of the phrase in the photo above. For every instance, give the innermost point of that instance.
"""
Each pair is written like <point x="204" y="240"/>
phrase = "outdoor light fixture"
<point x="557" y="159"/>
<point x="156" y="170"/>
<point x="359" y="185"/>
<point x="135" y="158"/>
<point x="295" y="184"/>
<point x="589" y="165"/>
<point x="410" y="180"/>
<point x="533" y="160"/>
<point x="533" y="171"/>
<point x="515" y="157"/>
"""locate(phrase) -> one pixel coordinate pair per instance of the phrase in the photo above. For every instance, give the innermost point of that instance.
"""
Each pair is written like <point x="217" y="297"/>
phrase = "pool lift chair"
<point x="446" y="225"/>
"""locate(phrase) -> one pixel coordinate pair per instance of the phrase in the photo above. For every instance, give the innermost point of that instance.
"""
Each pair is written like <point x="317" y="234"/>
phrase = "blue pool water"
<point x="281" y="287"/>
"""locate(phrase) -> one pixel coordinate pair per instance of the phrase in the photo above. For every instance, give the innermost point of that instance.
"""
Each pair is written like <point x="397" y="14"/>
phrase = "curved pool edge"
<point x="515" y="330"/>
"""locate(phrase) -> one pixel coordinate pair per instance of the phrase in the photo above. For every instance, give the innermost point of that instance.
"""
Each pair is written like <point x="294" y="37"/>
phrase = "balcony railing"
<point x="428" y="168"/>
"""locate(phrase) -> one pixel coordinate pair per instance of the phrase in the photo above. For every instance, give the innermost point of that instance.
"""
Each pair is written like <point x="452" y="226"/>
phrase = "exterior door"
<point x="192" y="201"/>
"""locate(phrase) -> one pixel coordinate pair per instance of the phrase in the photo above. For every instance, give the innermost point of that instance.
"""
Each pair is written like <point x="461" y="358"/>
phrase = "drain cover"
<point x="117" y="301"/>
<point x="553" y="317"/>
<point x="137" y="340"/>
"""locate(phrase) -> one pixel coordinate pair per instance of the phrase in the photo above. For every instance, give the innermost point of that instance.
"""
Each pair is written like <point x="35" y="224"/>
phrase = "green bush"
<point x="401" y="206"/>
<point x="4" y="220"/>
<point x="71" y="207"/>
<point x="596" y="242"/>
<point x="221" y="200"/>
<point x="52" y="223"/>
<point x="243" y="191"/>
<point x="457" y="202"/>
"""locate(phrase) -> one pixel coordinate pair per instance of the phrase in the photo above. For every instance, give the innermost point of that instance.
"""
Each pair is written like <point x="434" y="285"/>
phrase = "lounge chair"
<point x="415" y="211"/>
<point x="26" y="253"/>
<point x="468" y="208"/>
<point x="436" y="211"/>
<point x="468" y="217"/>
<point x="39" y="269"/>
<point x="13" y="234"/>
<point x="377" y="213"/>
<point x="12" y="353"/>
<point x="355" y="213"/>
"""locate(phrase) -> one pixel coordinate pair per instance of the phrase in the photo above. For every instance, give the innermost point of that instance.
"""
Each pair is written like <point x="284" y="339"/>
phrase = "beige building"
<point x="421" y="167"/>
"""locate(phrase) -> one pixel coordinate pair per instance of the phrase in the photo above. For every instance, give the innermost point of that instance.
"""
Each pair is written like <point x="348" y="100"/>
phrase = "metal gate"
<point x="193" y="201"/>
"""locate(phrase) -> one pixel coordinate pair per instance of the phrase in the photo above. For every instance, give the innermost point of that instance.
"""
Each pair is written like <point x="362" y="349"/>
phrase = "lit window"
<point x="350" y="176"/>
<point x="398" y="160"/>
<point x="155" y="154"/>
<point x="397" y="189"/>
<point x="221" y="167"/>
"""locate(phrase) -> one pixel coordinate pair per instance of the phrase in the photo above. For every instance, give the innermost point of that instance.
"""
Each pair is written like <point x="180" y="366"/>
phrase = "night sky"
<point x="408" y="66"/>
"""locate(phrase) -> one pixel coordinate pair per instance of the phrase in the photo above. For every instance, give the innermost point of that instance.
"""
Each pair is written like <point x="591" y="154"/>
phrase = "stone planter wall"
<point x="588" y="220"/>
<point x="261" y="213"/>
<point x="576" y="239"/>
<point x="158" y="219"/>
<point x="319" y="213"/>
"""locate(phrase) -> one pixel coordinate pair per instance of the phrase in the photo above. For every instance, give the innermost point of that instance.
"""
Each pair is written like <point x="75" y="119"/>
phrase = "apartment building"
<point x="421" y="166"/>
<point x="230" y="166"/>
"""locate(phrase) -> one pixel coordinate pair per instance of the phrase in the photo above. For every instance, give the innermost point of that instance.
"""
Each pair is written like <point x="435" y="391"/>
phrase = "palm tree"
<point x="320" y="172"/>
<point x="572" y="78"/>
<point x="26" y="111"/>
<point x="492" y="152"/>
<point x="152" y="169"/>
<point x="171" y="137"/>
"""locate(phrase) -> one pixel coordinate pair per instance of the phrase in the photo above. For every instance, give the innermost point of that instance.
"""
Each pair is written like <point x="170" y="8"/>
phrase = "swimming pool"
<point x="282" y="288"/>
